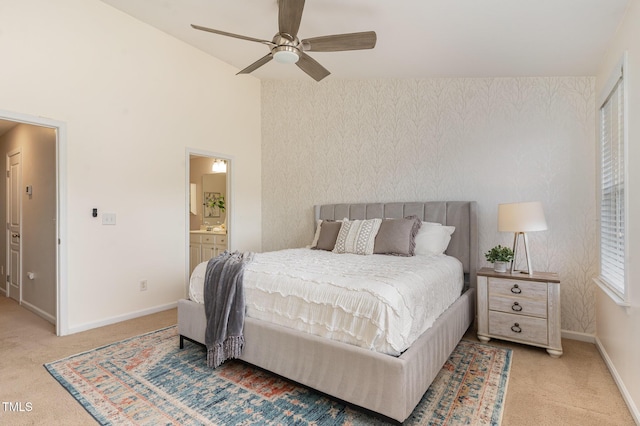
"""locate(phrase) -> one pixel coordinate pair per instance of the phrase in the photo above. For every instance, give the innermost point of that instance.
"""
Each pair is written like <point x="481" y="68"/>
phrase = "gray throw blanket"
<point x="224" y="306"/>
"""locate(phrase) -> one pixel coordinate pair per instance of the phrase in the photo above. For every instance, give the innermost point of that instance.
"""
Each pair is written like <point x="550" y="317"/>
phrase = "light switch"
<point x="108" y="218"/>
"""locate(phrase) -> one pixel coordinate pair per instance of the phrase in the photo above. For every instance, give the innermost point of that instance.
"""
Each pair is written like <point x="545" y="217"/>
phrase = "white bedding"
<point x="378" y="302"/>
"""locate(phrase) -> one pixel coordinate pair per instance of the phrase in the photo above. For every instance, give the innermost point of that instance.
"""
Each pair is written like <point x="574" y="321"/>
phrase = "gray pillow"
<point x="397" y="236"/>
<point x="328" y="235"/>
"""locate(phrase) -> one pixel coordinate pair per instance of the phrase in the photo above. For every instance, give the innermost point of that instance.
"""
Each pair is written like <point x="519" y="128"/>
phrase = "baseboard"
<point x="39" y="312"/>
<point x="633" y="409"/>
<point x="120" y="318"/>
<point x="576" y="335"/>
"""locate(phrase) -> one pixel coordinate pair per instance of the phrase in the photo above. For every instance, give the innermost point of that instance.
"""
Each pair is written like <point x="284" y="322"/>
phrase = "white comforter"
<point x="378" y="302"/>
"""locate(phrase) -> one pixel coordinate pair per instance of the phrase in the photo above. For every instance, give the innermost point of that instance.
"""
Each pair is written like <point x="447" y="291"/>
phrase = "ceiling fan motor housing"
<point x="286" y="49"/>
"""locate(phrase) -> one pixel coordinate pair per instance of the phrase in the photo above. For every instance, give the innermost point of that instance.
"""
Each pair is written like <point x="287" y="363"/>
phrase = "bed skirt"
<point x="391" y="386"/>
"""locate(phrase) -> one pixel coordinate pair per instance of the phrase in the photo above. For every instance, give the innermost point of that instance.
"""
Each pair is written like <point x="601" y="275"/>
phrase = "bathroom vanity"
<point x="204" y="245"/>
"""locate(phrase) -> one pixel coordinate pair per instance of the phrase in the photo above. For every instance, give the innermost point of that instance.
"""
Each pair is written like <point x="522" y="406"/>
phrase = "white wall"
<point x="132" y="98"/>
<point x="490" y="140"/>
<point x="618" y="329"/>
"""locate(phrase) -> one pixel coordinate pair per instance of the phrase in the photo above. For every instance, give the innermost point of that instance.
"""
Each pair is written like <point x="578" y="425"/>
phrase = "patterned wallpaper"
<point x="493" y="140"/>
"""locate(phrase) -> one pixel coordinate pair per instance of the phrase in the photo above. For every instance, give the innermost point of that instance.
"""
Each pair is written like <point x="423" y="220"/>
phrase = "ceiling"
<point x="416" y="38"/>
<point x="6" y="125"/>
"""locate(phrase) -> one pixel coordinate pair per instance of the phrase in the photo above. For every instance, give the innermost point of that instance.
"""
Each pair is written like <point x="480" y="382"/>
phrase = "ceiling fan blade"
<point x="309" y="65"/>
<point x="289" y="16"/>
<point x="340" y="42"/>
<point x="257" y="64"/>
<point x="224" y="33"/>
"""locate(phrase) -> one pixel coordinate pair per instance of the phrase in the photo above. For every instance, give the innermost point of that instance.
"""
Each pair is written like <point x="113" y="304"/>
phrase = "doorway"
<point x="32" y="249"/>
<point x="209" y="206"/>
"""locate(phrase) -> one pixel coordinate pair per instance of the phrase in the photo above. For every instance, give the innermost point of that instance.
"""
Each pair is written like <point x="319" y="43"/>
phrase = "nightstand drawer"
<point x="517" y="327"/>
<point x="510" y="287"/>
<point x="518" y="305"/>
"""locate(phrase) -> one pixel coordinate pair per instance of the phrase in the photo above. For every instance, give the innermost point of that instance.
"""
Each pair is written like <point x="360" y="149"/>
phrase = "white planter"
<point x="500" y="266"/>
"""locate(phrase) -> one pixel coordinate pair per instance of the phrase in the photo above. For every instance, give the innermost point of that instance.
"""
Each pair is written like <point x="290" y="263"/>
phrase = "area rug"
<point x="148" y="380"/>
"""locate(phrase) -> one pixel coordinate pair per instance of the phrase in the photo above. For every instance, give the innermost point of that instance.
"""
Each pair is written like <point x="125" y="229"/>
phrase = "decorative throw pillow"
<point x="357" y="236"/>
<point x="328" y="234"/>
<point x="397" y="236"/>
<point x="433" y="238"/>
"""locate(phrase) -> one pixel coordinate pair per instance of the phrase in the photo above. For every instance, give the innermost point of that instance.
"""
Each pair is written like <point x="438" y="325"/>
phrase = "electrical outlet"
<point x="143" y="285"/>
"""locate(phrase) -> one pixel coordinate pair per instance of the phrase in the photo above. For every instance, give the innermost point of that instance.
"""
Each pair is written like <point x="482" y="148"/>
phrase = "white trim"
<point x="612" y="293"/>
<point x="615" y="75"/>
<point x="61" y="211"/>
<point x="124" y="317"/>
<point x="39" y="312"/>
<point x="633" y="409"/>
<point x="576" y="335"/>
<point x="62" y="325"/>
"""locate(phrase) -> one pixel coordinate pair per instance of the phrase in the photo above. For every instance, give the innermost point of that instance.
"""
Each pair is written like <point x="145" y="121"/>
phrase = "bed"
<point x="385" y="384"/>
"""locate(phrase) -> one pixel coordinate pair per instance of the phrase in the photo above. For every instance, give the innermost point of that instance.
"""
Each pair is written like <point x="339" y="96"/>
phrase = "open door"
<point x="14" y="218"/>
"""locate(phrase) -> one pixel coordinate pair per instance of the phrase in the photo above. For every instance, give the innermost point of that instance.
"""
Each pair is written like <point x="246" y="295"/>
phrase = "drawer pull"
<point x="516" y="307"/>
<point x="515" y="289"/>
<point x="516" y="328"/>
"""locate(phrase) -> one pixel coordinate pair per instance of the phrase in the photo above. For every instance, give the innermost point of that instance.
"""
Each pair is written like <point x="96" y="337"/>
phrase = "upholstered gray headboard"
<point x="461" y="214"/>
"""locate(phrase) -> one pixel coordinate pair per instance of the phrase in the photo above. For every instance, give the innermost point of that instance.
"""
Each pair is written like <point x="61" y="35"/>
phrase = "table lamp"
<point x="521" y="218"/>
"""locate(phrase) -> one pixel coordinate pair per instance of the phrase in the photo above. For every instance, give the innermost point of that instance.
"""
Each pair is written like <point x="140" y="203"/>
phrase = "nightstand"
<point x="521" y="308"/>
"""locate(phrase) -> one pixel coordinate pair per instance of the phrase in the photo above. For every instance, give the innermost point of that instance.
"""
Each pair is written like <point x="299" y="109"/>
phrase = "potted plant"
<point x="499" y="256"/>
<point x="217" y="202"/>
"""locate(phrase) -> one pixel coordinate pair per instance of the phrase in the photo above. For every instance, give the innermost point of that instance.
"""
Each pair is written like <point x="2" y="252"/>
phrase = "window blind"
<point x="612" y="195"/>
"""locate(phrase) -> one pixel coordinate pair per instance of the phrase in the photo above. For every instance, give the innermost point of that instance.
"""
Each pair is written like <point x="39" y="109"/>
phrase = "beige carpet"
<point x="576" y="389"/>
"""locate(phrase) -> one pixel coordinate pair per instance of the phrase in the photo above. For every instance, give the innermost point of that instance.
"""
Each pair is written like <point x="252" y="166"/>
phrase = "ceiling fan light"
<point x="286" y="56"/>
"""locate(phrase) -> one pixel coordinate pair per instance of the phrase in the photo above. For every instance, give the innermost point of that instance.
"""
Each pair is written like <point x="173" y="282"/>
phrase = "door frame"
<point x="62" y="326"/>
<point x="229" y="201"/>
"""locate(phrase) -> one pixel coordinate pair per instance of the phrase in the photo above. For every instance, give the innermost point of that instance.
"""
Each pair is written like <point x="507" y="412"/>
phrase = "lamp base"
<point x="516" y="238"/>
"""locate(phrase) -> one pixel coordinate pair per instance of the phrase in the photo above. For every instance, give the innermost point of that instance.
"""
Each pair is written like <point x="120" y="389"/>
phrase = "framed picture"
<point x="209" y="199"/>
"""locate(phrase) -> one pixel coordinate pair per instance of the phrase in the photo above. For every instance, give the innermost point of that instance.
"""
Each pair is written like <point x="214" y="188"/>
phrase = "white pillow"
<point x="196" y="283"/>
<point x="433" y="238"/>
<point x="317" y="235"/>
<point x="357" y="236"/>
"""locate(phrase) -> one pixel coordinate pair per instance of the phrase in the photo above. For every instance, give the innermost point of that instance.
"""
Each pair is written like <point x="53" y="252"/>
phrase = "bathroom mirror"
<point x="213" y="188"/>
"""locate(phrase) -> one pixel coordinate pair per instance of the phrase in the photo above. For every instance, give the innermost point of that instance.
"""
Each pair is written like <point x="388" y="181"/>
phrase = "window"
<point x="612" y="189"/>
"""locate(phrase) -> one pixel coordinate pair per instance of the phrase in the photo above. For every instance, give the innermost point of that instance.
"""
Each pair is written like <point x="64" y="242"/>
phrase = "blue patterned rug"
<point x="148" y="380"/>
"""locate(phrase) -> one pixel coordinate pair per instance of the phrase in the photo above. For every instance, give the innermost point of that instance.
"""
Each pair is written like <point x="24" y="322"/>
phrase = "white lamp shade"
<point x="521" y="217"/>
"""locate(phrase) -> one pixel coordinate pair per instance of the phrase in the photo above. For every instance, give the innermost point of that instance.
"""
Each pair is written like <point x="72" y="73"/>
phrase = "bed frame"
<point x="388" y="385"/>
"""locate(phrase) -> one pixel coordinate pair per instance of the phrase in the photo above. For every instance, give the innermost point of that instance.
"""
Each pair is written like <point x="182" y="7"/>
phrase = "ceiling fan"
<point x="287" y="48"/>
